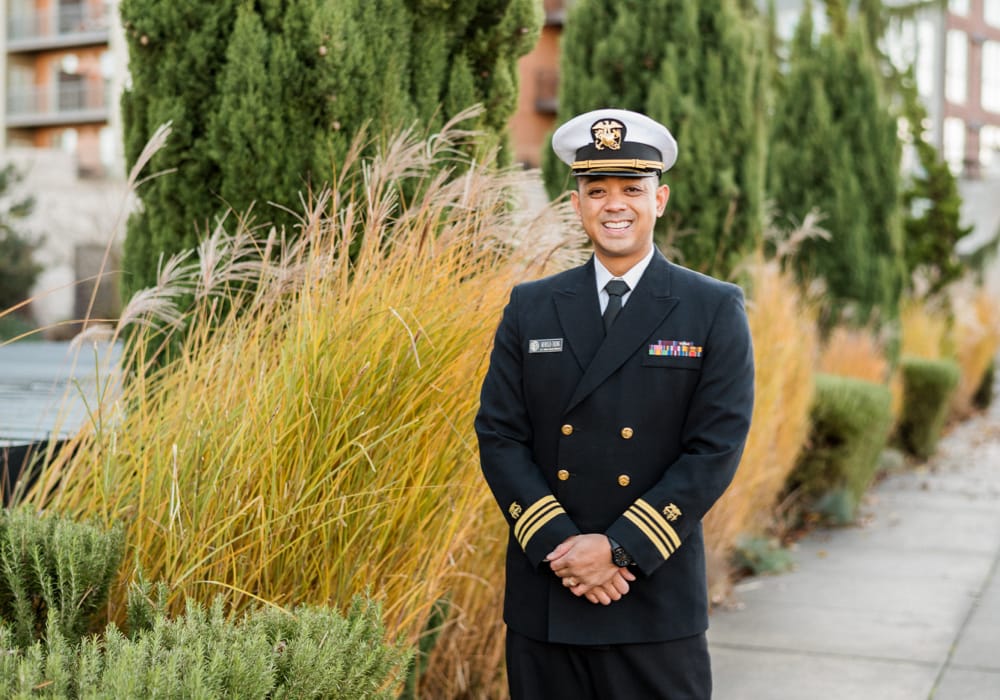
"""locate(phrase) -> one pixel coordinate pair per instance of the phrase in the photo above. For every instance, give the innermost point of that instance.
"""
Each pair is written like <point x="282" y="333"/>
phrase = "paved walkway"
<point x="905" y="606"/>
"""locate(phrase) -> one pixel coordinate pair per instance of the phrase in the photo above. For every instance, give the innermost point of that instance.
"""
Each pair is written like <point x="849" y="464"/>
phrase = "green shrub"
<point x="927" y="389"/>
<point x="762" y="555"/>
<point x="12" y="326"/>
<point x="54" y="570"/>
<point x="851" y="419"/>
<point x="18" y="268"/>
<point x="308" y="653"/>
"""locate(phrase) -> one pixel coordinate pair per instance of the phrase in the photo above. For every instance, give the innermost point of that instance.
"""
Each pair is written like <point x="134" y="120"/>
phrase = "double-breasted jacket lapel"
<point x="579" y="314"/>
<point x="648" y="305"/>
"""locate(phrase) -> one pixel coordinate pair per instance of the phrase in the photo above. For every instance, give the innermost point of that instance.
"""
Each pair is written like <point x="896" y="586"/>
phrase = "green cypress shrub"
<point x="700" y="69"/>
<point x="851" y="420"/>
<point x="927" y="389"/>
<point x="834" y="147"/>
<point x="266" y="97"/>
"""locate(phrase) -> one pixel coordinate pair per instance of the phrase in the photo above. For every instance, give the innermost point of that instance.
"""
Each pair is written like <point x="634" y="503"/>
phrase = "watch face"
<point x="619" y="557"/>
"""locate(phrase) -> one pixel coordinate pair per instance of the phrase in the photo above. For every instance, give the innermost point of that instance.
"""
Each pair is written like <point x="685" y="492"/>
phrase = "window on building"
<point x="70" y="84"/>
<point x="901" y="44"/>
<point x="954" y="143"/>
<point x="70" y="16"/>
<point x="956" y="67"/>
<point x="990" y="89"/>
<point x="924" y="67"/>
<point x="989" y="148"/>
<point x="959" y="7"/>
<point x="991" y="12"/>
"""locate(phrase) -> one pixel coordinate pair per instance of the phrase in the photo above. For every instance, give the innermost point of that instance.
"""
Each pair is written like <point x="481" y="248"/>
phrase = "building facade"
<point x="64" y="64"/>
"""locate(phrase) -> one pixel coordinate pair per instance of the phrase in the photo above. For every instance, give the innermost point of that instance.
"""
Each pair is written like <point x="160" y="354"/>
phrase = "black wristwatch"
<point x="619" y="557"/>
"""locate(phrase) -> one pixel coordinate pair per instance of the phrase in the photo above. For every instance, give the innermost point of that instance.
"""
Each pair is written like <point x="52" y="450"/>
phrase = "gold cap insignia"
<point x="515" y="510"/>
<point x="608" y="134"/>
<point x="672" y="512"/>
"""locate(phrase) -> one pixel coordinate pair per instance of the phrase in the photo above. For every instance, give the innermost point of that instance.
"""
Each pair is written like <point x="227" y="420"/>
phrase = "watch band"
<point x="619" y="557"/>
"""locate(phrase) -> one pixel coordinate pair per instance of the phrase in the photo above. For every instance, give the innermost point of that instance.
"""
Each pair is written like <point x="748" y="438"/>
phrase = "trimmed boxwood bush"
<point x="851" y="420"/>
<point x="927" y="389"/>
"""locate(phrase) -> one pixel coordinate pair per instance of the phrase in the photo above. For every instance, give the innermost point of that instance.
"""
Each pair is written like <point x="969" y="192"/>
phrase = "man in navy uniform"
<point x="612" y="417"/>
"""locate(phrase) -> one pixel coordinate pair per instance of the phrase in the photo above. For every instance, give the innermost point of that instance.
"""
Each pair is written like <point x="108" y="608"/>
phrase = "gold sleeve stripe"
<point x="657" y="542"/>
<point x="654" y="526"/>
<point x="635" y="163"/>
<point x="535" y="518"/>
<point x="656" y="517"/>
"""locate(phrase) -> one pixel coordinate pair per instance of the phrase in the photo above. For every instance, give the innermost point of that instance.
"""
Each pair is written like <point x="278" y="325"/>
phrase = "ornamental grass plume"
<point x="308" y="437"/>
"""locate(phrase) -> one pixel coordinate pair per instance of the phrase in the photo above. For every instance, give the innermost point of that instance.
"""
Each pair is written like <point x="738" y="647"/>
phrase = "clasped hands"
<point x="583" y="562"/>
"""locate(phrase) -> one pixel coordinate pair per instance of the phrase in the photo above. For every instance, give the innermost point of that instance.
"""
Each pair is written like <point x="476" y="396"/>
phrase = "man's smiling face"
<point x="619" y="214"/>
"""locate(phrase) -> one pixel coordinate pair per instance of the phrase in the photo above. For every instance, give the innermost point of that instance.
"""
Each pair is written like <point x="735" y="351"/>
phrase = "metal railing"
<point x="65" y="99"/>
<point x="56" y="23"/>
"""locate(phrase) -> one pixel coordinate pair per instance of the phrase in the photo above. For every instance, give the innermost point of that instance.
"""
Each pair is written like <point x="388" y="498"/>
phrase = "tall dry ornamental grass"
<point x="783" y="327"/>
<point x="310" y="436"/>
<point x="976" y="340"/>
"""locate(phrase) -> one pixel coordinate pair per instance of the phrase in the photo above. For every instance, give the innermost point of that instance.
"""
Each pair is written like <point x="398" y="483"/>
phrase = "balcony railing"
<point x="84" y="101"/>
<point x="58" y="26"/>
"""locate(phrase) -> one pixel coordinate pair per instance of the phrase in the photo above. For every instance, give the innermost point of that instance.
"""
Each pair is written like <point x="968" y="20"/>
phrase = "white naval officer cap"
<point x="615" y="142"/>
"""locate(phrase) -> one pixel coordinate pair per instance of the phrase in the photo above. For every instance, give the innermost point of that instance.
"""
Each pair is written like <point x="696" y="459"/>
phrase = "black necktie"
<point x="615" y="290"/>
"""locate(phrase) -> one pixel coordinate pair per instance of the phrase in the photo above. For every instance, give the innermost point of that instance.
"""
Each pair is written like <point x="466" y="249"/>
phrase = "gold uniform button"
<point x="563" y="475"/>
<point x="624" y="480"/>
<point x="627" y="433"/>
<point x="567" y="429"/>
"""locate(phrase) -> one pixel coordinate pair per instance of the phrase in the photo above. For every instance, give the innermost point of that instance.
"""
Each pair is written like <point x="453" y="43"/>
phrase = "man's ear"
<point x="662" y="195"/>
<point x="574" y="197"/>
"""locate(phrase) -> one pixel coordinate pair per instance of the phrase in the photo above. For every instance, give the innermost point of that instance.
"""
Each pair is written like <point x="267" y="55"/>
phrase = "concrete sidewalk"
<point x="905" y="606"/>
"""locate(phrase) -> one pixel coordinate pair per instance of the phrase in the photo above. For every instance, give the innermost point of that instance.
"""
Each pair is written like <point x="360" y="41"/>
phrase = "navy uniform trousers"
<point x="634" y="435"/>
<point x="674" y="670"/>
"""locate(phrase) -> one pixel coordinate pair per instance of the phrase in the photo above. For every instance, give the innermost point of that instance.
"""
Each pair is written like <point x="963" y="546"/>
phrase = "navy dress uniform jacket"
<point x="634" y="435"/>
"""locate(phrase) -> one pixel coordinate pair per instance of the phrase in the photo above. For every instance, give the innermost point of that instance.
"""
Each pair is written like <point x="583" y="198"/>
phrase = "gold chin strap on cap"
<point x="618" y="164"/>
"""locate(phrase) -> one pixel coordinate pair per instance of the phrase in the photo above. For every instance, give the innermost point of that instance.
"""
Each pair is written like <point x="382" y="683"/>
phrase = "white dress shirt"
<point x="631" y="278"/>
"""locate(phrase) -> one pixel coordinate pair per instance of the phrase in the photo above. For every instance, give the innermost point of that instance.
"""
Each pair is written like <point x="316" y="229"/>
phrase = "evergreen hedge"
<point x="851" y="420"/>
<point x="927" y="389"/>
